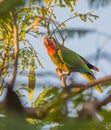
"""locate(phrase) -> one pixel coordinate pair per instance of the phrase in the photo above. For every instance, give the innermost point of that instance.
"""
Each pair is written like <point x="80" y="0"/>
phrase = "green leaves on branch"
<point x="52" y="103"/>
<point x="62" y="3"/>
<point x="6" y="6"/>
<point x="88" y="16"/>
<point x="45" y="96"/>
<point x="32" y="78"/>
<point x="26" y="54"/>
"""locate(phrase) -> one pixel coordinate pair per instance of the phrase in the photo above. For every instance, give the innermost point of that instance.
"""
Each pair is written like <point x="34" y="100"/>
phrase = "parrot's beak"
<point x="45" y="41"/>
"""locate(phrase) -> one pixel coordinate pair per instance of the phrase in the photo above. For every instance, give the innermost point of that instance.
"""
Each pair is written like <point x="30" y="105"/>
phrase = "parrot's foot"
<point x="62" y="77"/>
<point x="61" y="74"/>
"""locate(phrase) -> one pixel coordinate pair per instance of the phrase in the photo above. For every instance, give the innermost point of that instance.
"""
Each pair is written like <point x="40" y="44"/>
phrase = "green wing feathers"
<point x="69" y="57"/>
<point x="78" y="64"/>
<point x="73" y="60"/>
<point x="90" y="65"/>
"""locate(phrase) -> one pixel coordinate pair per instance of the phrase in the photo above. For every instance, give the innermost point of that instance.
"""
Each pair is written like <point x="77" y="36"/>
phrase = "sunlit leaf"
<point x="88" y="16"/>
<point x="31" y="83"/>
<point x="48" y="2"/>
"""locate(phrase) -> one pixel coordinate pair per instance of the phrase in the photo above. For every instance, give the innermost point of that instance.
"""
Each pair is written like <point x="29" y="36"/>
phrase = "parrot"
<point x="68" y="60"/>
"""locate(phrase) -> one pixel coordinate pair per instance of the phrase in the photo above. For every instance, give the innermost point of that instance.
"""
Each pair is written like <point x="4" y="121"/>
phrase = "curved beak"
<point x="44" y="40"/>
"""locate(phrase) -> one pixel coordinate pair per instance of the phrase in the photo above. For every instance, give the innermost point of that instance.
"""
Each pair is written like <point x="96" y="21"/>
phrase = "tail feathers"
<point x="90" y="65"/>
<point x="92" y="78"/>
<point x="97" y="87"/>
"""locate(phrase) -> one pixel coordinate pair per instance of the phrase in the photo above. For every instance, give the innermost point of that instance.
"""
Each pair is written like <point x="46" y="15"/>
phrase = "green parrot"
<point x="68" y="60"/>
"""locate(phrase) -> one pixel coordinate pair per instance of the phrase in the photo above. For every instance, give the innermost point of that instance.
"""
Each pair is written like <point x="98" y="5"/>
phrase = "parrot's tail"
<point x="92" y="78"/>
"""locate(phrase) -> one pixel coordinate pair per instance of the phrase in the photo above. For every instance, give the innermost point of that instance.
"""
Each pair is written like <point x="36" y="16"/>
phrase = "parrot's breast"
<point x="51" y="50"/>
<point x="59" y="63"/>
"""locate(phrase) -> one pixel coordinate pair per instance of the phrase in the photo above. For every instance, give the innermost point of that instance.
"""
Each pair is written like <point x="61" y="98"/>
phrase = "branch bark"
<point x="34" y="113"/>
<point x="104" y="102"/>
<point x="82" y="87"/>
<point x="16" y="49"/>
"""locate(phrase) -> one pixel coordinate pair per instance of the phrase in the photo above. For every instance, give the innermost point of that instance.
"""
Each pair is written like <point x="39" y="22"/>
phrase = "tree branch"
<point x="99" y="81"/>
<point x="34" y="113"/>
<point x="104" y="102"/>
<point x="16" y="49"/>
<point x="82" y="87"/>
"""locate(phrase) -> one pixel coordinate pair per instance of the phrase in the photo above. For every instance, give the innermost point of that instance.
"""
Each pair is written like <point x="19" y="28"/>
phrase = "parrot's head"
<point x="50" y="44"/>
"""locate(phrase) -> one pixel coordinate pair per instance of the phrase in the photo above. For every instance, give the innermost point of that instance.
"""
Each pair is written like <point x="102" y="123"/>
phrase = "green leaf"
<point x="32" y="78"/>
<point x="48" y="2"/>
<point x="75" y="1"/>
<point x="68" y="3"/>
<point x="88" y="16"/>
<point x="41" y="98"/>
